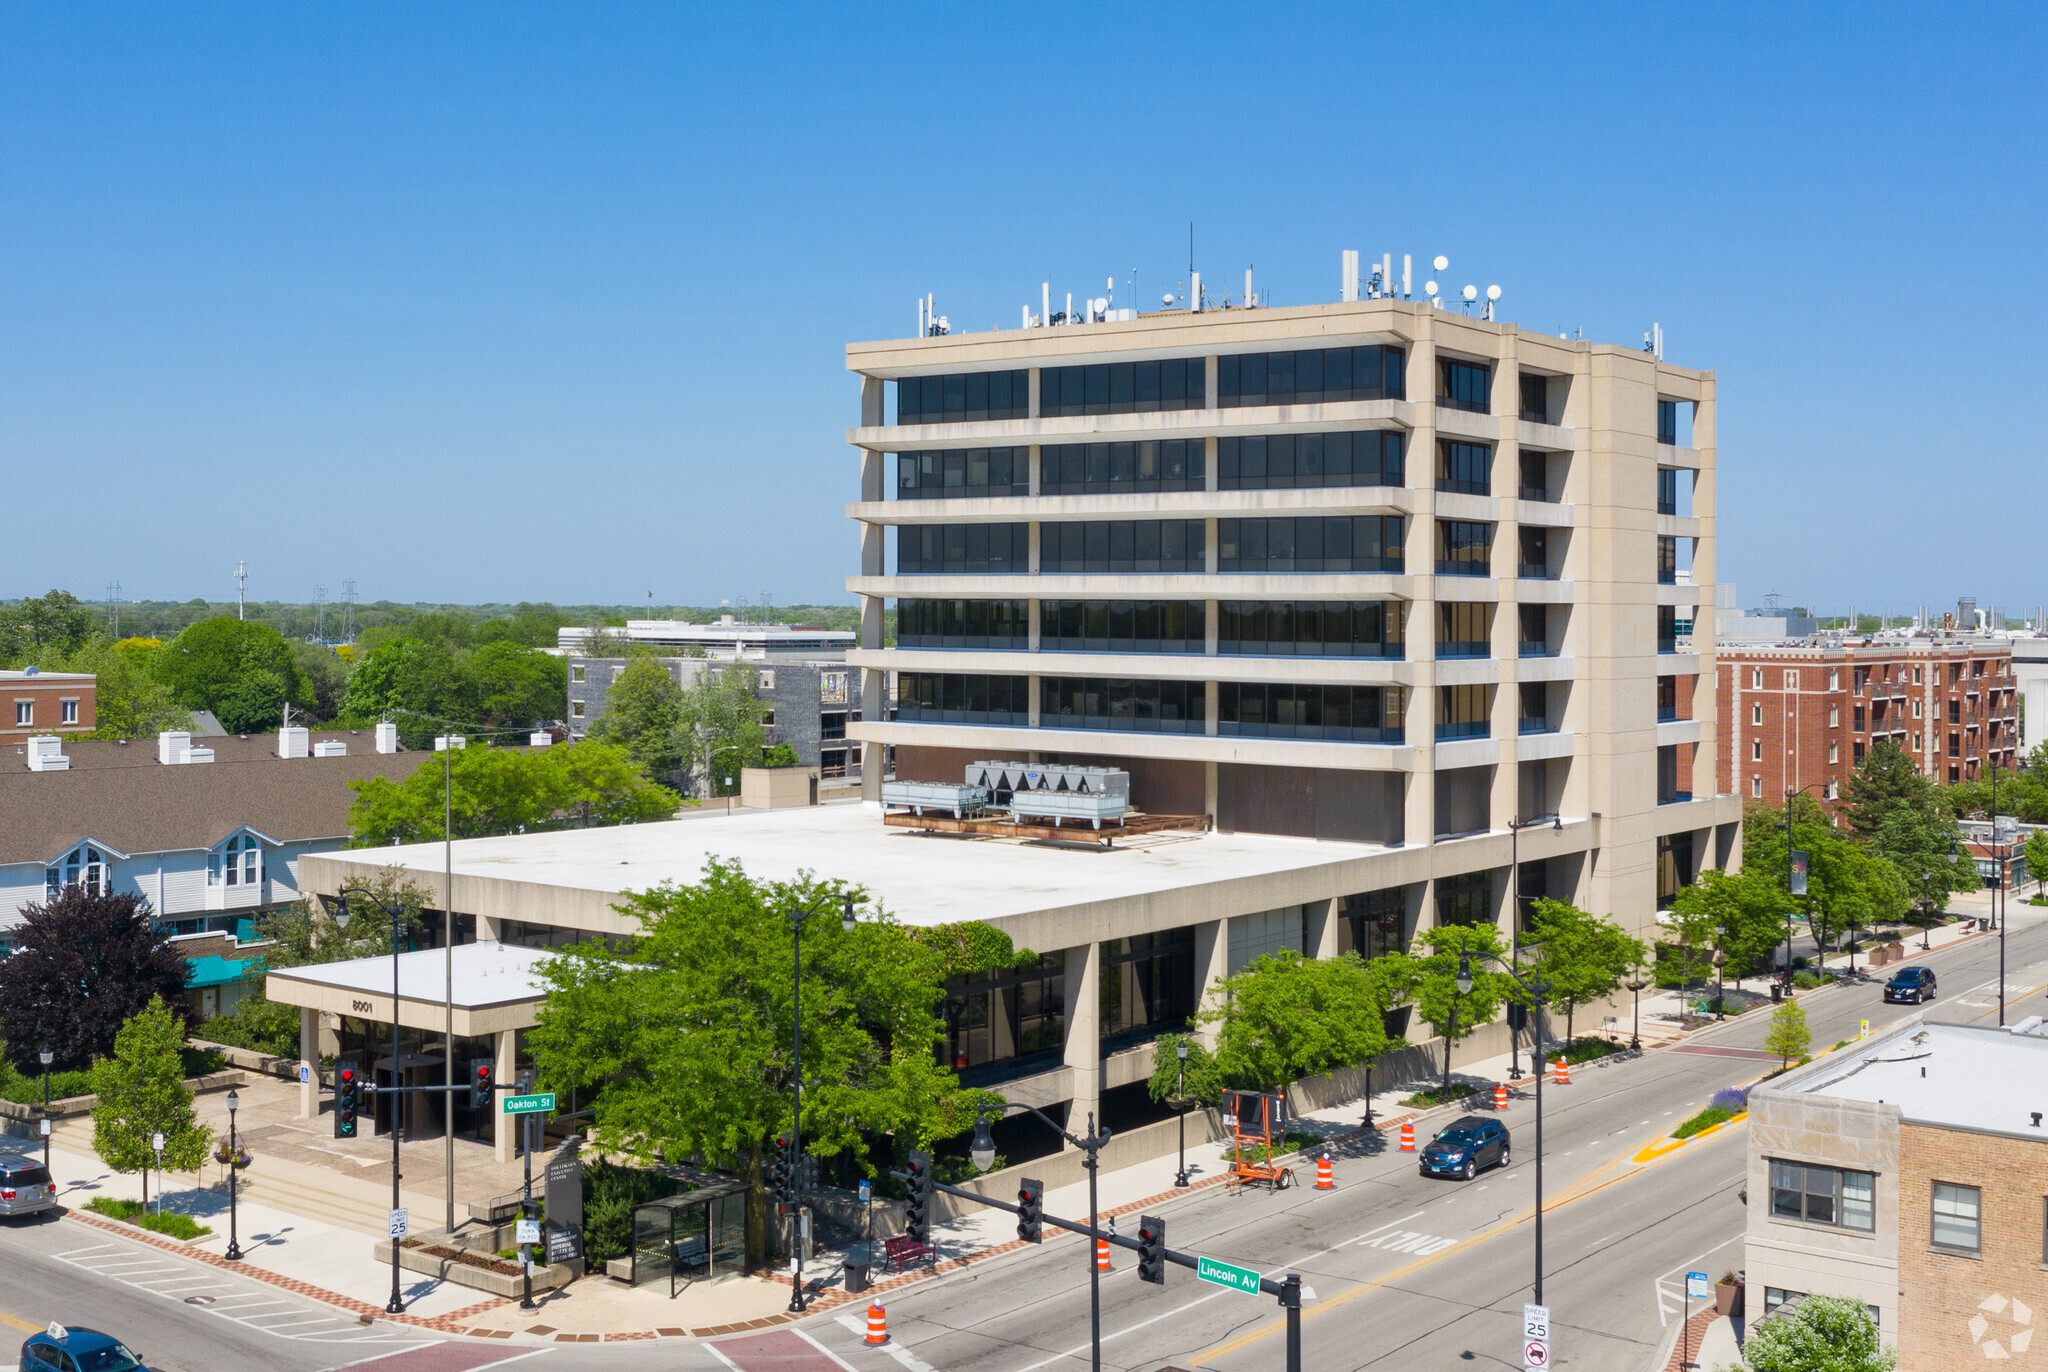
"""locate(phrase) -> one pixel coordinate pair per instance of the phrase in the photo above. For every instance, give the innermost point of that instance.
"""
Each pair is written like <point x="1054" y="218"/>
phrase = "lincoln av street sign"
<point x="541" y="1103"/>
<point x="1227" y="1274"/>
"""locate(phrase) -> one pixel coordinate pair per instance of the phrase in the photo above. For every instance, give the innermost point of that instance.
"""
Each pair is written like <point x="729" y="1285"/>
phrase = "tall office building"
<point x="1371" y="571"/>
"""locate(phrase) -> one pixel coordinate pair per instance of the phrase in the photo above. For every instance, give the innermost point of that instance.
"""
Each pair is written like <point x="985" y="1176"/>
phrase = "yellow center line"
<point x="1595" y="1181"/>
<point x="23" y="1325"/>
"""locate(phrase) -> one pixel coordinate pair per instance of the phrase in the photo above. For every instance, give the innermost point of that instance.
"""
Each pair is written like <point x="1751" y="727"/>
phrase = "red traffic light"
<point x="348" y="1074"/>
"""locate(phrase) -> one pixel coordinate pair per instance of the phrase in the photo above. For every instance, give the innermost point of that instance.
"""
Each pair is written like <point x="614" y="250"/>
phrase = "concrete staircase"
<point x="329" y="1197"/>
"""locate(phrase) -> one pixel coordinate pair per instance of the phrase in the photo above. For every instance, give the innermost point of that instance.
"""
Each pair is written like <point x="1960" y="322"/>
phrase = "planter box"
<point x="507" y="1285"/>
<point x="1728" y="1299"/>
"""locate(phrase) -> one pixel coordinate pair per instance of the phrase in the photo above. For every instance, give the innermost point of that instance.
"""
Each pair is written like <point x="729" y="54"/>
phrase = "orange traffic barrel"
<point x="1500" y="1095"/>
<point x="1102" y="1255"/>
<point x="1407" y="1136"/>
<point x="1563" y="1076"/>
<point x="878" y="1324"/>
<point x="1324" y="1180"/>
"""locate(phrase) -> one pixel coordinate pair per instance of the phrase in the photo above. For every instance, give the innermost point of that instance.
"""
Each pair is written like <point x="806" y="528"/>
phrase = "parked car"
<point x="1910" y="986"/>
<point x="25" y="1187"/>
<point x="1464" y="1146"/>
<point x="58" y="1349"/>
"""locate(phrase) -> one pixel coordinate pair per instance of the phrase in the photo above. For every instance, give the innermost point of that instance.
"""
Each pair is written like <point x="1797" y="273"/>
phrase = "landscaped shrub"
<point x="1436" y="1095"/>
<point x="1733" y="1099"/>
<point x="1705" y="1119"/>
<point x="168" y="1222"/>
<point x="609" y="1194"/>
<point x="1583" y="1049"/>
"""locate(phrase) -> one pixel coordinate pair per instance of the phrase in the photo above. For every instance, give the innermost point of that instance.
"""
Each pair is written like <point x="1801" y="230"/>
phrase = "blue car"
<point x="58" y="1349"/>
<point x="1463" y="1148"/>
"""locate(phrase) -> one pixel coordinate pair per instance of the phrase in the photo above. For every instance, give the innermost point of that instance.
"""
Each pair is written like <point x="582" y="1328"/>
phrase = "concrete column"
<point x="1034" y="610"/>
<point x="874" y="475"/>
<point x="1212" y="964"/>
<point x="1031" y="699"/>
<point x="1032" y="409"/>
<point x="1033" y="545"/>
<point x="874" y="693"/>
<point x="872" y="390"/>
<point x="1321" y="928"/>
<point x="1209" y="546"/>
<point x="1210" y="477"/>
<point x="1209" y="369"/>
<point x="1706" y="757"/>
<point x="489" y="930"/>
<point x="309" y="1064"/>
<point x="504" y="1127"/>
<point x="1084" y="1032"/>
<point x="1212" y="697"/>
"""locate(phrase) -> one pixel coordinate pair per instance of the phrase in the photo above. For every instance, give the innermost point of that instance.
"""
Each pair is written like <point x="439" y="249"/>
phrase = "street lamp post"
<point x="1180" y="1050"/>
<point x="1720" y="987"/>
<point x="395" y="910"/>
<point x="983" y="1154"/>
<point x="797" y="914"/>
<point x="234" y="1249"/>
<point x="46" y="1056"/>
<point x="1635" y="993"/>
<point x="1515" y="827"/>
<point x="1926" y="911"/>
<point x="1535" y="993"/>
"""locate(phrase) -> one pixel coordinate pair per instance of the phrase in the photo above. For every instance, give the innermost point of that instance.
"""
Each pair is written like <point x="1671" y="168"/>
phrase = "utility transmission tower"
<point x="348" y="611"/>
<point x="319" y="614"/>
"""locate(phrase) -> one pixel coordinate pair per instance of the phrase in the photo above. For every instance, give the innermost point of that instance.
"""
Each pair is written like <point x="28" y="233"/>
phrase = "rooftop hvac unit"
<point x="195" y="755"/>
<point x="46" y="754"/>
<point x="962" y="802"/>
<point x="387" y="737"/>
<point x="540" y="739"/>
<point x="332" y="747"/>
<point x="292" y="741"/>
<point x="170" y="743"/>
<point x="443" y="742"/>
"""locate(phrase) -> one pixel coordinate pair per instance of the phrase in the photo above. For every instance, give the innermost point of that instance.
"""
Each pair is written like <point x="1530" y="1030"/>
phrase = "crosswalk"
<point x="254" y="1305"/>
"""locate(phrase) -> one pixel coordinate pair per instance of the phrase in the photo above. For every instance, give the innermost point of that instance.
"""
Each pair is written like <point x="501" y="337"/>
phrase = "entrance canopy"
<point x="496" y="987"/>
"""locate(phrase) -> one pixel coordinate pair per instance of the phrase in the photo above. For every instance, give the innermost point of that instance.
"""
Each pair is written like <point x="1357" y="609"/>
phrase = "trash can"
<point x="1777" y="989"/>
<point x="856" y="1277"/>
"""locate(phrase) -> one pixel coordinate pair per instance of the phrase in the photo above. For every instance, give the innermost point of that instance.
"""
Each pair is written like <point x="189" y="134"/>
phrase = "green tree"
<point x="1898" y="815"/>
<point x="128" y="700"/>
<point x="1202" y="1080"/>
<point x="1285" y="1017"/>
<point x="1429" y="981"/>
<point x="232" y="667"/>
<point x="1788" y="1037"/>
<point x="2036" y="851"/>
<point x="325" y="675"/>
<point x="82" y="965"/>
<point x="1846" y="887"/>
<point x="1742" y="914"/>
<point x="305" y="932"/>
<point x="1885" y="782"/>
<point x="410" y="681"/>
<point x="141" y="1090"/>
<point x="720" y="730"/>
<point x="642" y="712"/>
<point x="508" y="791"/>
<point x="1819" y="1334"/>
<point x="684" y="1031"/>
<point x="51" y="626"/>
<point x="1582" y="958"/>
<point x="512" y="686"/>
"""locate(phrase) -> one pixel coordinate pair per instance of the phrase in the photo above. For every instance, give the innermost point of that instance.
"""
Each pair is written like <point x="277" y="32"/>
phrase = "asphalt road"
<point x="1406" y="1272"/>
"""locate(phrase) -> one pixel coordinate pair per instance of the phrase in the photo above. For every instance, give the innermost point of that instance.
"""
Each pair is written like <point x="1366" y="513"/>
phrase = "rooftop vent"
<point x="332" y="747"/>
<point x="387" y="737"/>
<point x="46" y="754"/>
<point x="540" y="738"/>
<point x="292" y="741"/>
<point x="170" y="743"/>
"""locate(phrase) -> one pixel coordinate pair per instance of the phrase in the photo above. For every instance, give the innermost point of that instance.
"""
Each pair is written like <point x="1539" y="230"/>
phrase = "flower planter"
<point x="1728" y="1298"/>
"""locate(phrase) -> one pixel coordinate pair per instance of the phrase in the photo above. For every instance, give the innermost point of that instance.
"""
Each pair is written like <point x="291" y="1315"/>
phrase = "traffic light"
<point x="1031" y="1211"/>
<point x="480" y="1083"/>
<point x="1152" y="1250"/>
<point x="918" y="1223"/>
<point x="345" y="1099"/>
<point x="807" y="1174"/>
<point x="779" y="1174"/>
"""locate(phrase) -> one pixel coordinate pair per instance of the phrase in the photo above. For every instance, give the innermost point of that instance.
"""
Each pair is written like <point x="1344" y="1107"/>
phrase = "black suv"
<point x="1464" y="1146"/>
<point x="1910" y="985"/>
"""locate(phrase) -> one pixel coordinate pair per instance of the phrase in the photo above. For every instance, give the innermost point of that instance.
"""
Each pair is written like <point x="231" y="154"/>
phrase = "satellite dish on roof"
<point x="1442" y="262"/>
<point x="1471" y="293"/>
<point x="1493" y="292"/>
<point x="1429" y="289"/>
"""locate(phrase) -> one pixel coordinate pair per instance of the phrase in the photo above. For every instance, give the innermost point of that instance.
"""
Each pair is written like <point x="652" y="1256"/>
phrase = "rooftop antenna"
<point x="1250" y="300"/>
<point x="1406" y="262"/>
<point x="1470" y="294"/>
<point x="348" y="611"/>
<point x="767" y="608"/>
<point x="1492" y="295"/>
<point x="241" y="581"/>
<point x="114" y="605"/>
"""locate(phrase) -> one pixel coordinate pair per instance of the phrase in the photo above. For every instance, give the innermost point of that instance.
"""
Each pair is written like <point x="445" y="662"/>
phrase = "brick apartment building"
<point x="1800" y="715"/>
<point x="46" y="703"/>
<point x="1909" y="1173"/>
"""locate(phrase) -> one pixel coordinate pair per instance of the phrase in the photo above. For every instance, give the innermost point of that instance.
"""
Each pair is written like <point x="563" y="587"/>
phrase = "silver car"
<point x="25" y="1187"/>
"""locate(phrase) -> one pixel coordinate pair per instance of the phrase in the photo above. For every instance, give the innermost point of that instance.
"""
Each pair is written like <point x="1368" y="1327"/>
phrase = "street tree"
<point x="1884" y="783"/>
<point x="683" y="1032"/>
<point x="128" y="700"/>
<point x="1741" y="914"/>
<point x="1581" y="958"/>
<point x="719" y="729"/>
<point x="141" y="1092"/>
<point x="305" y="931"/>
<point x="2036" y="851"/>
<point x="1788" y="1037"/>
<point x="1897" y="814"/>
<point x="1429" y="981"/>
<point x="1203" y="1079"/>
<point x="1819" y="1334"/>
<point x="642" y="710"/>
<point x="1846" y="886"/>
<point x="239" y="669"/>
<point x="51" y="625"/>
<point x="83" y="963"/>
<point x="508" y="685"/>
<point x="508" y="791"/>
<point x="1285" y="1017"/>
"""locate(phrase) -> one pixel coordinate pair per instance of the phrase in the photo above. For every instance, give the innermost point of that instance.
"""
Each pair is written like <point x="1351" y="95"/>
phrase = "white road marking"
<point x="823" y="1349"/>
<point x="909" y="1359"/>
<point x="712" y="1349"/>
<point x="1659" y="1285"/>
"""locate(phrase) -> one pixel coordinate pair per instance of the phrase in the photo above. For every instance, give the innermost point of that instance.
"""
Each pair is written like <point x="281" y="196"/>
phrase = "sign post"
<point x="400" y="1221"/>
<point x="1695" y="1285"/>
<point x="1535" y="1335"/>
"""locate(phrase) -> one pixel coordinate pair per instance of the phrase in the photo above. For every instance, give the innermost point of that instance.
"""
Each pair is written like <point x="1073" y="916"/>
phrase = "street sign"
<point x="542" y="1102"/>
<point x="1536" y="1322"/>
<point x="1227" y="1274"/>
<point x="526" y="1231"/>
<point x="866" y="1191"/>
<point x="1535" y="1353"/>
<point x="1863" y="1029"/>
<point x="305" y="1074"/>
<point x="1696" y="1286"/>
<point x="399" y="1220"/>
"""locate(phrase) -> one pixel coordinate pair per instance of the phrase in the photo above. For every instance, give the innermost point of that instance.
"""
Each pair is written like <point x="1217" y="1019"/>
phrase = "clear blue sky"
<point x="513" y="301"/>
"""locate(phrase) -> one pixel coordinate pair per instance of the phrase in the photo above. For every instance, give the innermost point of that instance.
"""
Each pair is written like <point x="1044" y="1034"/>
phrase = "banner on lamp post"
<point x="1802" y="863"/>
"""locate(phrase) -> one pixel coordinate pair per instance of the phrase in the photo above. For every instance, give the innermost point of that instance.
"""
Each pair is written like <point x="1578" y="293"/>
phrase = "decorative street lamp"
<point x="1720" y="993"/>
<point x="983" y="1154"/>
<point x="796" y="915"/>
<point x="1180" y="1050"/>
<point x="1636" y="984"/>
<point x="46" y="1056"/>
<point x="234" y="1250"/>
<point x="1535" y="992"/>
<point x="395" y="911"/>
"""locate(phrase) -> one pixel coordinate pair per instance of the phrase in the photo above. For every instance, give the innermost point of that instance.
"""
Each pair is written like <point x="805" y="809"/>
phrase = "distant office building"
<point x="39" y="702"/>
<point x="1803" y="715"/>
<point x="2030" y="671"/>
<point x="806" y="702"/>
<point x="726" y="638"/>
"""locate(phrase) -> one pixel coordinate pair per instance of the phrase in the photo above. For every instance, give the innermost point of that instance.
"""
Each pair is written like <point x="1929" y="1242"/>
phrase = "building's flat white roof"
<point x="486" y="974"/>
<point x="1975" y="1078"/>
<point x="919" y="878"/>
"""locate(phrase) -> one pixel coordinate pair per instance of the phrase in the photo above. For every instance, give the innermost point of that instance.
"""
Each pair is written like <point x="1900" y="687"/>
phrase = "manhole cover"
<point x="199" y="1300"/>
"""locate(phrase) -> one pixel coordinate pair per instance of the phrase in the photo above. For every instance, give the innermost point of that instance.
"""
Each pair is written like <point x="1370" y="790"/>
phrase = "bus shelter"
<point x="700" y="1235"/>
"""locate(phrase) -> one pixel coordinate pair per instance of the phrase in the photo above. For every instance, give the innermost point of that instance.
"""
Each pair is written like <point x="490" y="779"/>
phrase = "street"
<point x="1405" y="1271"/>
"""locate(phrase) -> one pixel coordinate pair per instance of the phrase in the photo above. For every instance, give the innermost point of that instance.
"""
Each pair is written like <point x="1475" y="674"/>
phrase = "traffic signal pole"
<point x="1287" y="1290"/>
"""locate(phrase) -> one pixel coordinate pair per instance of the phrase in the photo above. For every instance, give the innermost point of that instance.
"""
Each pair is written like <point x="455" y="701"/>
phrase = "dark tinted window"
<point x="962" y="624"/>
<point x="1463" y="548"/>
<point x="1359" y="543"/>
<point x="1535" y="398"/>
<point x="1372" y="457"/>
<point x="1105" y="468"/>
<point x="1464" y="467"/>
<point x="1464" y="711"/>
<point x="1155" y="707"/>
<point x="962" y="397"/>
<point x="1177" y="383"/>
<point x="1354" y="714"/>
<point x="1311" y="628"/>
<point x="110" y="1358"/>
<point x="953" y="698"/>
<point x="25" y="1176"/>
<point x="1464" y="385"/>
<point x="1122" y="626"/>
<point x="960" y="473"/>
<point x="1122" y="545"/>
<point x="1667" y="421"/>
<point x="1315" y="377"/>
<point x="963" y="548"/>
